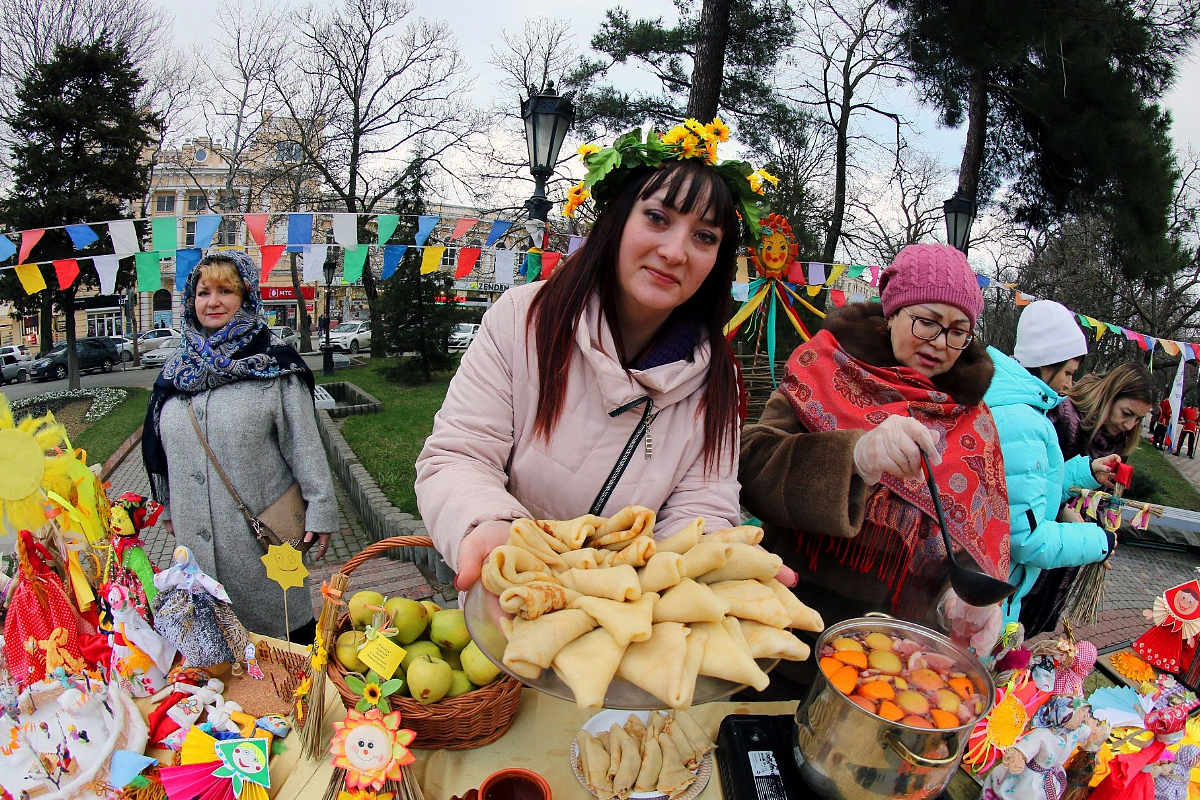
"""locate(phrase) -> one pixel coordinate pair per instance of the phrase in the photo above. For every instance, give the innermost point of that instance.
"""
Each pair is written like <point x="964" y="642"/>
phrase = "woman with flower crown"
<point x="610" y="384"/>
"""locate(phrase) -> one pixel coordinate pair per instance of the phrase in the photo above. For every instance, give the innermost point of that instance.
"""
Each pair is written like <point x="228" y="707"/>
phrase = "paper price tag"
<point x="382" y="655"/>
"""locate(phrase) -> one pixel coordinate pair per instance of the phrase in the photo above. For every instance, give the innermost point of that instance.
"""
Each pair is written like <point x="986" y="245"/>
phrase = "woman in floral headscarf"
<point x="253" y="401"/>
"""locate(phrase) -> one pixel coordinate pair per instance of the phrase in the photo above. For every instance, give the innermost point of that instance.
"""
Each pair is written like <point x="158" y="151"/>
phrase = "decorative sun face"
<point x="26" y="469"/>
<point x="371" y="748"/>
<point x="774" y="253"/>
<point x="777" y="249"/>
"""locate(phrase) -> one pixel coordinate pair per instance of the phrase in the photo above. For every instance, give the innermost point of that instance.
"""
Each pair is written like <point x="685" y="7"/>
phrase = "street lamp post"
<point x="960" y="213"/>
<point x="329" y="266"/>
<point x="547" y="117"/>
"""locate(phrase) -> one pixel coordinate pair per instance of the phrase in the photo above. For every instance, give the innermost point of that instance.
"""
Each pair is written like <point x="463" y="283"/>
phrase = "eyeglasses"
<point x="929" y="330"/>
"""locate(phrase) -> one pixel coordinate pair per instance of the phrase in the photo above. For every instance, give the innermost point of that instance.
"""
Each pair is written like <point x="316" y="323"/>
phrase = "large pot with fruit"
<point x="890" y="711"/>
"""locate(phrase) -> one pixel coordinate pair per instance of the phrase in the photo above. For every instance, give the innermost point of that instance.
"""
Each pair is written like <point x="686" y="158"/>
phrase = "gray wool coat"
<point x="264" y="433"/>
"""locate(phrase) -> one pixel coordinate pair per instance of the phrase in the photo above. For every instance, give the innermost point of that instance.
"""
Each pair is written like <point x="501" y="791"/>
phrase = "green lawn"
<point x="103" y="437"/>
<point x="389" y="442"/>
<point x="1169" y="488"/>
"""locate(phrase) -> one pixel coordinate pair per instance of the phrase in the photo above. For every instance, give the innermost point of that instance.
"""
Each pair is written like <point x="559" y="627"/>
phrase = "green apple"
<point x="451" y="658"/>
<point x="417" y="649"/>
<point x="431" y="607"/>
<point x="346" y="651"/>
<point x="360" y="615"/>
<point x="459" y="683"/>
<point x="429" y="679"/>
<point x="478" y="667"/>
<point x="409" y="618"/>
<point x="449" y="630"/>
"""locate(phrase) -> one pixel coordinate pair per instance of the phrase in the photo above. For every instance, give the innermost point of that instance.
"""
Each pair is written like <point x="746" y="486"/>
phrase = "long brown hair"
<point x="1094" y="396"/>
<point x="556" y="310"/>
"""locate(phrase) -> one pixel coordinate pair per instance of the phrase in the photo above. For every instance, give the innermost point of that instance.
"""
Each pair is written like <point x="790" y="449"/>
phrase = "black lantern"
<point x="547" y="117"/>
<point x="330" y="267"/>
<point x="960" y="213"/>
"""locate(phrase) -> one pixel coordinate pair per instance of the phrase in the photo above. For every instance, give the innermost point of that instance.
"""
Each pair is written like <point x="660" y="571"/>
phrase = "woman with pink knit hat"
<point x="833" y="467"/>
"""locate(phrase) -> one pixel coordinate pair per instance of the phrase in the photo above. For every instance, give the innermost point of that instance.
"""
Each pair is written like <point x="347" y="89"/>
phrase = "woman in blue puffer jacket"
<point x="1049" y="349"/>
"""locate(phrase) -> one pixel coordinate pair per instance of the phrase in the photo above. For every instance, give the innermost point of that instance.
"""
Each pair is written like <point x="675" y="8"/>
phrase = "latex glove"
<point x="975" y="627"/>
<point x="1103" y="468"/>
<point x="476" y="547"/>
<point x="894" y="447"/>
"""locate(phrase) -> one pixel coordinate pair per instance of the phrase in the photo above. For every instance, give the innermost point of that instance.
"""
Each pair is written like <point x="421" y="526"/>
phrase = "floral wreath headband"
<point x="609" y="167"/>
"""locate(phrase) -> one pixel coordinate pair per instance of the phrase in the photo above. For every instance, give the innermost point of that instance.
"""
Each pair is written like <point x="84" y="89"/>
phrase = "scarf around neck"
<point x="830" y="389"/>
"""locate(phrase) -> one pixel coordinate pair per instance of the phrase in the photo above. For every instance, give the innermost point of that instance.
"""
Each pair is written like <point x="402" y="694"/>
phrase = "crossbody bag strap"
<point x="255" y="525"/>
<point x="610" y="483"/>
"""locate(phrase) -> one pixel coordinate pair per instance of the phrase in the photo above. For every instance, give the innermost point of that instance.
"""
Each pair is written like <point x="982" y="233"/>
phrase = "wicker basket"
<point x="455" y="723"/>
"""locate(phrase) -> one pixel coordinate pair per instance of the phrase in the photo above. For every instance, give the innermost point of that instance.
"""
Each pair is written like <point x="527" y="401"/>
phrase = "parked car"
<point x="286" y="335"/>
<point x="158" y="356"/>
<point x="351" y="336"/>
<point x="95" y="353"/>
<point x="13" y="369"/>
<point x="124" y="347"/>
<point x="18" y="351"/>
<point x="146" y="340"/>
<point x="462" y="335"/>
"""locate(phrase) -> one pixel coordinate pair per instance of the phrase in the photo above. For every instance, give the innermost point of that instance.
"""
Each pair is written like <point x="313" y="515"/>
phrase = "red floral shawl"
<point x="830" y="389"/>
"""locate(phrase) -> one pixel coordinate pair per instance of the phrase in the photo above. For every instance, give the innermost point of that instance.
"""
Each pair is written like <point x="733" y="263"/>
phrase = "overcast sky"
<point x="477" y="23"/>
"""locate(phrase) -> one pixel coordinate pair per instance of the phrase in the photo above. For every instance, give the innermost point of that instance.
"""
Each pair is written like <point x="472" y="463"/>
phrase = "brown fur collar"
<point x="861" y="329"/>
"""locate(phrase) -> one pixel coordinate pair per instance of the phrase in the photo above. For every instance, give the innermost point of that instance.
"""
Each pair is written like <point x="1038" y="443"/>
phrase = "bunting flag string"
<point x="81" y="236"/>
<point x="66" y="270"/>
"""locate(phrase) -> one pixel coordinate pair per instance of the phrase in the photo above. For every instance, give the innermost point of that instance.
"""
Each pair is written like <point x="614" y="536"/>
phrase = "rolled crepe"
<point x="753" y="600"/>
<point x="666" y="664"/>
<point x="695" y="734"/>
<point x="572" y="532"/>
<point x="689" y="755"/>
<point x="655" y="726"/>
<point x="628" y="523"/>
<point x="535" y="643"/>
<point x="532" y="600"/>
<point x="662" y="571"/>
<point x="587" y="558"/>
<point x="674" y="777"/>
<point x="613" y="743"/>
<point x="803" y="617"/>
<point x="615" y="583"/>
<point x="635" y="728"/>
<point x="588" y="664"/>
<point x="767" y="642"/>
<point x="744" y="562"/>
<point x="705" y="557"/>
<point x="689" y="601"/>
<point x="746" y="534"/>
<point x="627" y="622"/>
<point x="631" y="761"/>
<point x="525" y="534"/>
<point x="684" y="539"/>
<point x="651" y="766"/>
<point x="636" y="553"/>
<point x="509" y="565"/>
<point x="727" y="656"/>
<point x="593" y="763"/>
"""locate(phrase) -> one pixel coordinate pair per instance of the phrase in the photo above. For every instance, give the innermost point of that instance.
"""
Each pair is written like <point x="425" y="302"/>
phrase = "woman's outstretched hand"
<point x="894" y="447"/>
<point x="476" y="547"/>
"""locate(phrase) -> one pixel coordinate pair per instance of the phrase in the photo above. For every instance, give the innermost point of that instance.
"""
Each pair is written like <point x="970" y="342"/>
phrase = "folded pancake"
<point x="705" y="557"/>
<point x="635" y="553"/>
<point x="534" y="643"/>
<point x="627" y="622"/>
<point x="690" y="755"/>
<point x="727" y="656"/>
<point x="587" y="558"/>
<point x="615" y="583"/>
<point x="768" y="642"/>
<point x="628" y="523"/>
<point x="526" y="534"/>
<point x="662" y="571"/>
<point x="746" y="534"/>
<point x="532" y="600"/>
<point x="588" y="664"/>
<point x="509" y="565"/>
<point x="631" y="761"/>
<point x="572" y="532"/>
<point x="614" y="754"/>
<point x="635" y="728"/>
<point x="753" y="600"/>
<point x="689" y="601"/>
<point x="695" y="733"/>
<point x="673" y="778"/>
<point x="654" y="726"/>
<point x="684" y="539"/>
<point x="593" y="763"/>
<point x="666" y="664"/>
<point x="803" y="617"/>
<point x="651" y="766"/>
<point x="743" y="562"/>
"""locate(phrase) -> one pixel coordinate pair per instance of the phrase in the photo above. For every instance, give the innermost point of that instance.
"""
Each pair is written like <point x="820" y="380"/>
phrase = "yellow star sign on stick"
<point x="285" y="565"/>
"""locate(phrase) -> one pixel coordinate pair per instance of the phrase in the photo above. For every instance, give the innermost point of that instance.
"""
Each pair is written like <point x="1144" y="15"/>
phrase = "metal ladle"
<point x="975" y="588"/>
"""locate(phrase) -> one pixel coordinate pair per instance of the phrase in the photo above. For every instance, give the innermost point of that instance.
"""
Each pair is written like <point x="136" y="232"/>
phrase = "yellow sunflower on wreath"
<point x="35" y="457"/>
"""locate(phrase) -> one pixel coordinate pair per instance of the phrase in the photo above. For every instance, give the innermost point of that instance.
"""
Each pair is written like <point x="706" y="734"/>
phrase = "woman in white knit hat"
<point x="1050" y="347"/>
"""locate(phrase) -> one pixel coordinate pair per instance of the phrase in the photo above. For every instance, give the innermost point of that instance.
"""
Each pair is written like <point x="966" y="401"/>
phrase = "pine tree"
<point x="415" y="327"/>
<point x="79" y="135"/>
